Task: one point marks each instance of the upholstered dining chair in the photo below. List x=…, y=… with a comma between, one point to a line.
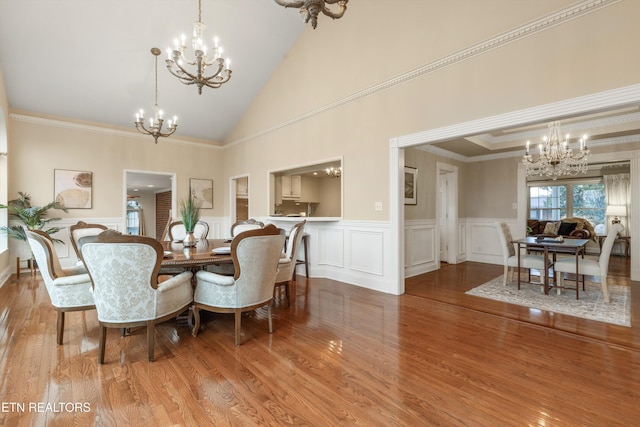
x=510, y=258
x=288, y=261
x=178, y=232
x=244, y=225
x=255, y=255
x=124, y=271
x=589, y=267
x=82, y=229
x=69, y=288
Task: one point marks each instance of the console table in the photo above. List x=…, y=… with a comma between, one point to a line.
x=626, y=240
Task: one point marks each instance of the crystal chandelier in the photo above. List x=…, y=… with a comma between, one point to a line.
x=556, y=157
x=177, y=60
x=333, y=172
x=156, y=122
x=310, y=9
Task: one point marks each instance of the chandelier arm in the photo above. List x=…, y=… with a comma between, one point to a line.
x=184, y=79
x=290, y=4
x=335, y=15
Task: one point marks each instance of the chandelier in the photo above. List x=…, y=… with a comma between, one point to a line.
x=177, y=60
x=556, y=158
x=333, y=172
x=156, y=122
x=310, y=9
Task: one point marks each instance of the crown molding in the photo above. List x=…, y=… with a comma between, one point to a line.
x=19, y=117
x=562, y=16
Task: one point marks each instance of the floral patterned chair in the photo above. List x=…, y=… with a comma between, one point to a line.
x=124, y=270
x=82, y=229
x=69, y=288
x=288, y=261
x=255, y=255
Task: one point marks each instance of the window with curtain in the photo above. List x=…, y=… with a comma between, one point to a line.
x=618, y=193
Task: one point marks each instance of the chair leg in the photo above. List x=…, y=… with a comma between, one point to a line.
x=270, y=319
x=605, y=288
x=238, y=315
x=286, y=293
x=151, y=332
x=196, y=321
x=504, y=275
x=60, y=327
x=101, y=345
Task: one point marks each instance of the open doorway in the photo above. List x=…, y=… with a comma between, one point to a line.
x=447, y=211
x=149, y=202
x=239, y=198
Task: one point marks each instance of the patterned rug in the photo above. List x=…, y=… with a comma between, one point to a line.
x=590, y=306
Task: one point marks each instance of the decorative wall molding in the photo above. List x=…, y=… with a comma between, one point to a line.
x=104, y=130
x=562, y=16
x=421, y=247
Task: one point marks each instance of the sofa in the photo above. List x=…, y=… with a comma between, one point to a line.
x=577, y=228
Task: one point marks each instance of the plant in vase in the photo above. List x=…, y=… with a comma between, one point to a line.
x=33, y=217
x=190, y=213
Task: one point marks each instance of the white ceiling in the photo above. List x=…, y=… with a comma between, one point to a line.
x=91, y=61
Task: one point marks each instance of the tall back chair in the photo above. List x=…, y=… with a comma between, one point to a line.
x=588, y=266
x=82, y=229
x=124, y=270
x=510, y=258
x=288, y=261
x=245, y=225
x=255, y=255
x=178, y=232
x=68, y=290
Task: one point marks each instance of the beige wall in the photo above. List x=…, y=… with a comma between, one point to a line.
x=39, y=148
x=341, y=58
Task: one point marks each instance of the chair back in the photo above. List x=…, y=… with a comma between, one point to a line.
x=178, y=232
x=295, y=237
x=44, y=253
x=607, y=246
x=504, y=235
x=82, y=229
x=255, y=255
x=124, y=271
x=245, y=225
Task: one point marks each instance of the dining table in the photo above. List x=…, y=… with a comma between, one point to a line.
x=205, y=252
x=551, y=245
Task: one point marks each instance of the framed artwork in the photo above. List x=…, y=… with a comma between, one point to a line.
x=72, y=188
x=410, y=190
x=202, y=191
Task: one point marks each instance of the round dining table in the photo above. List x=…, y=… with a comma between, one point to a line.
x=177, y=255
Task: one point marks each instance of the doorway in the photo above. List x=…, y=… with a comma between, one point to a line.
x=447, y=212
x=239, y=198
x=149, y=201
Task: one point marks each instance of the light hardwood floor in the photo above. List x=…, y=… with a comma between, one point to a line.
x=340, y=355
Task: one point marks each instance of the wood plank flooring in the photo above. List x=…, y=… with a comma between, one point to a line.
x=340, y=355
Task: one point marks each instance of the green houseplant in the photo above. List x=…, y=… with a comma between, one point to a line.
x=33, y=217
x=190, y=213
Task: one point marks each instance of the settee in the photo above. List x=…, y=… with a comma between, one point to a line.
x=575, y=227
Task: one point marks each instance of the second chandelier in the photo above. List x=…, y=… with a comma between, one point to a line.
x=177, y=62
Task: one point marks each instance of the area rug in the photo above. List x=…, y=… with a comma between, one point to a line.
x=590, y=306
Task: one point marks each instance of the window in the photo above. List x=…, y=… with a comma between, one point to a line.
x=554, y=202
x=133, y=217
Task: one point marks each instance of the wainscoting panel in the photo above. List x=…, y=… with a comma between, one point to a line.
x=331, y=247
x=366, y=251
x=483, y=244
x=420, y=254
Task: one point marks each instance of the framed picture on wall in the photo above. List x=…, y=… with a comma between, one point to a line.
x=73, y=188
x=410, y=190
x=202, y=191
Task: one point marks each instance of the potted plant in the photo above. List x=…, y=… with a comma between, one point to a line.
x=190, y=213
x=33, y=217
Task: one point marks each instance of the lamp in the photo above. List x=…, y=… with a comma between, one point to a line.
x=556, y=157
x=156, y=122
x=310, y=9
x=616, y=211
x=177, y=61
x=334, y=172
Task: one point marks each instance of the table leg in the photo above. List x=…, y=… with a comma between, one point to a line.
x=546, y=270
x=577, y=274
x=518, y=266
